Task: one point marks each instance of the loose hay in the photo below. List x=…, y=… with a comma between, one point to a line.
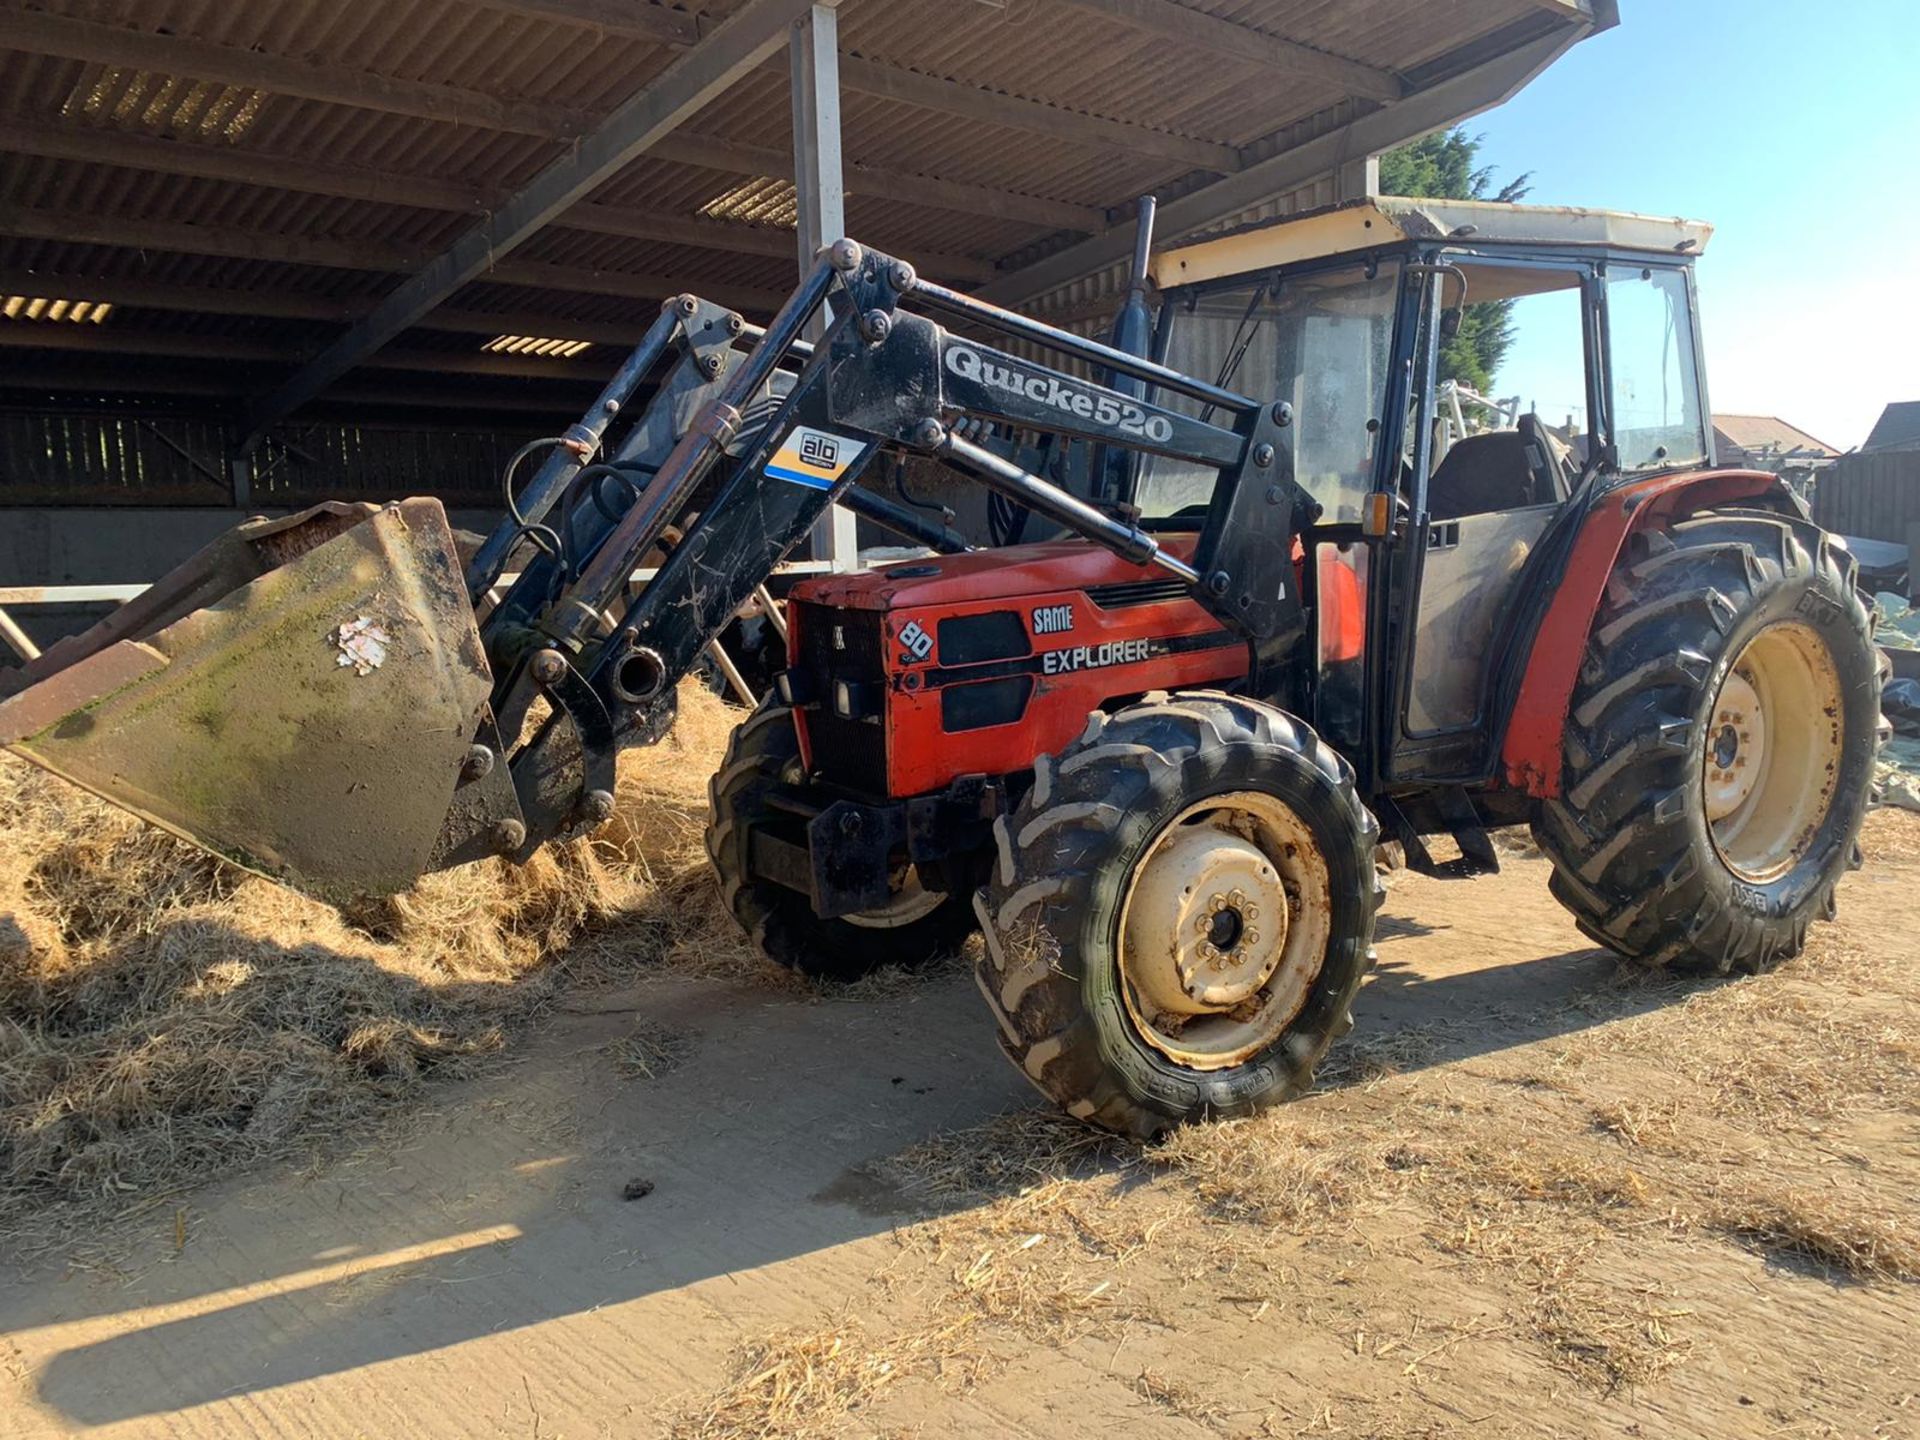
x=165, y=1017
x=796, y=1385
x=1848, y=1233
x=1005, y=1155
x=1565, y=1189
x=1891, y=835
x=648, y=1051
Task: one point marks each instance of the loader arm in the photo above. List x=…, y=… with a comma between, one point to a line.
x=883, y=377
x=747, y=437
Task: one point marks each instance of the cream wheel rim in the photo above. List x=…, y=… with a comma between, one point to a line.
x=1771, y=762
x=910, y=901
x=1224, y=930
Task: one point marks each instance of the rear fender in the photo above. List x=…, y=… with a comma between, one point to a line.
x=1531, y=752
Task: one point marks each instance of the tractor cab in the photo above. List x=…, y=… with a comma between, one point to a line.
x=1460, y=381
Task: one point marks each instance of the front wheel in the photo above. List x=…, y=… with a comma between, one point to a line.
x=1720, y=746
x=915, y=925
x=1180, y=914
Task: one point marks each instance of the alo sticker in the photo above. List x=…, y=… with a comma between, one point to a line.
x=814, y=458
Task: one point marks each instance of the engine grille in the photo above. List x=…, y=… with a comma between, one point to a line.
x=1126, y=593
x=852, y=753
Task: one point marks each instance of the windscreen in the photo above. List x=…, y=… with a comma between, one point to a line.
x=1322, y=342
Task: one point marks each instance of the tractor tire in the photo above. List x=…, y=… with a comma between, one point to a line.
x=1124, y=960
x=1719, y=748
x=922, y=924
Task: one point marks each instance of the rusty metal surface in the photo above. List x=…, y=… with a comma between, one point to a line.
x=485, y=817
x=1210, y=996
x=310, y=725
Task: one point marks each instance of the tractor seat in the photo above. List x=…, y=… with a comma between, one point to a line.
x=1500, y=470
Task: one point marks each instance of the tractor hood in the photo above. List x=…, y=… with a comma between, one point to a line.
x=1038, y=569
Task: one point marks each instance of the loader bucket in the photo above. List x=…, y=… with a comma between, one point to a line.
x=298, y=698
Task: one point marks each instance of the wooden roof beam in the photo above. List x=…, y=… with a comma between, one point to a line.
x=157, y=295
x=93, y=377
x=286, y=305
x=1034, y=117
x=732, y=158
x=234, y=164
x=237, y=166
x=951, y=97
x=87, y=40
x=171, y=54
x=108, y=341
x=631, y=19
x=1196, y=30
x=752, y=33
x=227, y=243
x=1494, y=75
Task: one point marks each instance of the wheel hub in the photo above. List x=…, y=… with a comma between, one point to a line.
x=1224, y=931
x=1771, y=761
x=1207, y=922
x=1737, y=754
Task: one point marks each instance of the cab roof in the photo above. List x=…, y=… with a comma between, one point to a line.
x=1386, y=221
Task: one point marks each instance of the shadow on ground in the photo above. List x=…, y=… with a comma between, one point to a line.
x=502, y=1208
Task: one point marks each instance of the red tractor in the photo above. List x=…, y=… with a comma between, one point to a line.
x=1314, y=583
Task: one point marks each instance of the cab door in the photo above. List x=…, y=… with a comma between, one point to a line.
x=1501, y=440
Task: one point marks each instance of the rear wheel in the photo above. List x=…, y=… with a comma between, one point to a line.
x=1720, y=746
x=914, y=925
x=1180, y=913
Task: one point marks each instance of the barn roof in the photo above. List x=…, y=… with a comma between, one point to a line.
x=195, y=196
x=1898, y=427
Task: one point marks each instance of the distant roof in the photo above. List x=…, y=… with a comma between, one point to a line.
x=1898, y=427
x=1767, y=432
x=1387, y=220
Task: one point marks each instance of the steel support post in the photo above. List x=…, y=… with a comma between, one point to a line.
x=819, y=183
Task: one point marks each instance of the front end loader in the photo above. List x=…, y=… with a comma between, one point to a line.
x=1298, y=584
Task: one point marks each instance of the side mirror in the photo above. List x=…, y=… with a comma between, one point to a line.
x=1450, y=322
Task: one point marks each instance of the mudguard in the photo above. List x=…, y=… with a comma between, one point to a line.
x=1531, y=751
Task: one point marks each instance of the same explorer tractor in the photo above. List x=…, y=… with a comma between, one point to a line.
x=1299, y=587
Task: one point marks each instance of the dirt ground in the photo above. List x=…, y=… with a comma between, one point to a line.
x=1534, y=1197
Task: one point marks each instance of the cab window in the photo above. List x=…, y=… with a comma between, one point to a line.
x=1655, y=390
x=1510, y=424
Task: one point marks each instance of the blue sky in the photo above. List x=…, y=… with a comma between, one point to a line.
x=1795, y=128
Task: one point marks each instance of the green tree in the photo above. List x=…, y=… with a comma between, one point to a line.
x=1446, y=167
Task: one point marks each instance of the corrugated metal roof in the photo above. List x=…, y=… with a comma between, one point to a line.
x=1898, y=427
x=348, y=169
